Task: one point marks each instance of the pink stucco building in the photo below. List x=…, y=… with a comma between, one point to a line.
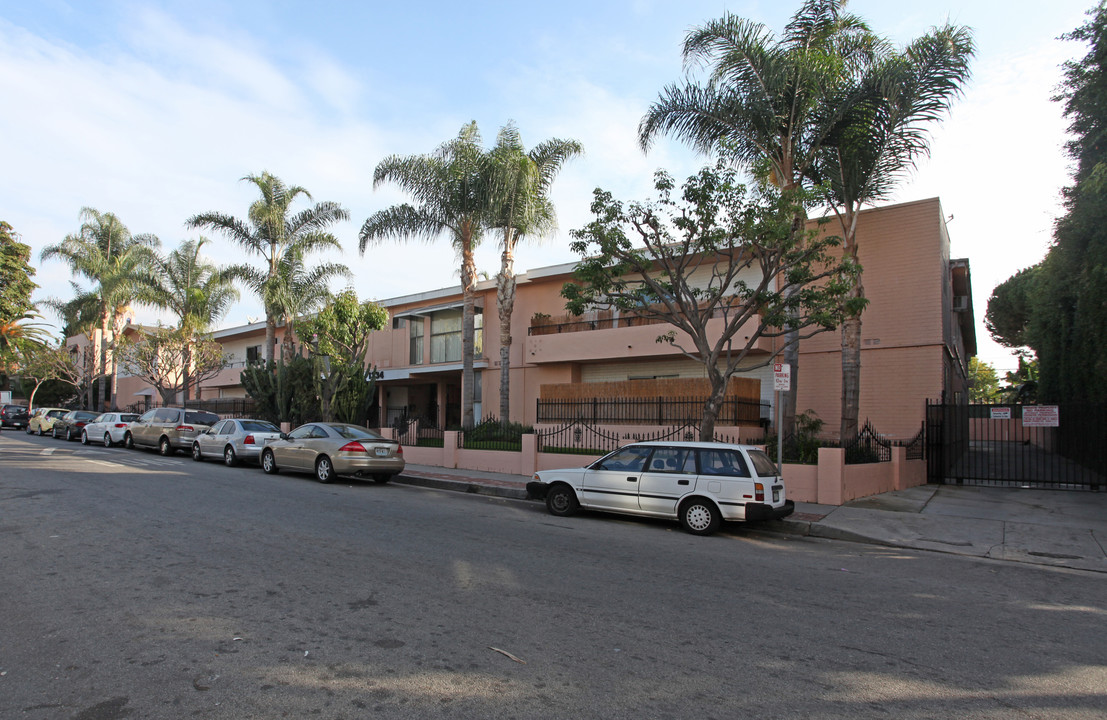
x=918, y=335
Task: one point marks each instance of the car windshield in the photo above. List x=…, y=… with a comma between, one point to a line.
x=762, y=464
x=353, y=432
x=193, y=417
x=85, y=415
x=257, y=426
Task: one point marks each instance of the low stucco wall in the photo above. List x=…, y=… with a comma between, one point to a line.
x=801, y=482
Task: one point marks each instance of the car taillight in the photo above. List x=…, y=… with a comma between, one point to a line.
x=352, y=446
x=81, y=424
x=248, y=440
x=185, y=428
x=759, y=492
x=121, y=425
x=399, y=449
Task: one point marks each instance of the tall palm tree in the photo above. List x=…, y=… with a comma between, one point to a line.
x=451, y=195
x=117, y=263
x=272, y=231
x=521, y=183
x=874, y=145
x=193, y=289
x=301, y=290
x=768, y=103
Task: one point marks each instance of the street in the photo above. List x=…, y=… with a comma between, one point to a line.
x=146, y=587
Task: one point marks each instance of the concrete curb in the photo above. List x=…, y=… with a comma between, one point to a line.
x=473, y=488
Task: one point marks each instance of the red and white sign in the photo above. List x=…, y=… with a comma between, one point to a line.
x=1041, y=416
x=782, y=376
x=1001, y=413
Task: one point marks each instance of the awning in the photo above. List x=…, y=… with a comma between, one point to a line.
x=431, y=309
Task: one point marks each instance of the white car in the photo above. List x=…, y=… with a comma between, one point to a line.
x=700, y=484
x=108, y=428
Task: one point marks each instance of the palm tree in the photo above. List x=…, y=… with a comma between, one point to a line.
x=272, y=232
x=105, y=253
x=451, y=193
x=521, y=183
x=193, y=289
x=873, y=145
x=301, y=290
x=769, y=103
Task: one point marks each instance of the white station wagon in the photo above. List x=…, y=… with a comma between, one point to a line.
x=699, y=483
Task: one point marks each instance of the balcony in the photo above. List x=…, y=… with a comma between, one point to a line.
x=551, y=340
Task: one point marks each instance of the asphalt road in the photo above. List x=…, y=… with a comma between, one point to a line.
x=135, y=586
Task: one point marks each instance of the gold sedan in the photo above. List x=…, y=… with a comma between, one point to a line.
x=333, y=449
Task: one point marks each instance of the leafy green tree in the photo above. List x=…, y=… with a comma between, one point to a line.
x=768, y=104
x=521, y=183
x=340, y=333
x=1011, y=307
x=759, y=272
x=1022, y=384
x=273, y=232
x=193, y=289
x=283, y=390
x=301, y=290
x=1068, y=323
x=983, y=382
x=117, y=263
x=450, y=189
x=876, y=142
x=47, y=363
x=16, y=285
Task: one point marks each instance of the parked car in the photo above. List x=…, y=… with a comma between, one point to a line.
x=168, y=429
x=333, y=449
x=71, y=425
x=237, y=439
x=700, y=484
x=13, y=416
x=42, y=419
x=108, y=428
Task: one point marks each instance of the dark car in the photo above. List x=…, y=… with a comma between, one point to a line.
x=72, y=423
x=13, y=416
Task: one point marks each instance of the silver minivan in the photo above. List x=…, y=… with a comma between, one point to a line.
x=168, y=429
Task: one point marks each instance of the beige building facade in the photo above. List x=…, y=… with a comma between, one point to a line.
x=918, y=335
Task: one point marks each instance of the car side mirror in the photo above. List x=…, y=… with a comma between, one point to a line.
x=284, y=436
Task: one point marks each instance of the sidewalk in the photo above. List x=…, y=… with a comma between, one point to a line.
x=1043, y=527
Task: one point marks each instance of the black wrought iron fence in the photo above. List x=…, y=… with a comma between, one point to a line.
x=492, y=434
x=223, y=407
x=868, y=447
x=648, y=411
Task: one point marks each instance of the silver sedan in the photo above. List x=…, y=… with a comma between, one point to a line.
x=234, y=440
x=333, y=449
x=110, y=427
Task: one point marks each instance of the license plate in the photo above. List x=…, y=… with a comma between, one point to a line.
x=776, y=496
x=382, y=452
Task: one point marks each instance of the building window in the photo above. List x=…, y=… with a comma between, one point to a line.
x=446, y=336
x=398, y=322
x=416, y=335
x=253, y=354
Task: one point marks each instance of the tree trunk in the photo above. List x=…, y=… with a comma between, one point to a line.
x=851, y=372
x=468, y=333
x=105, y=376
x=505, y=299
x=712, y=405
x=270, y=336
x=186, y=361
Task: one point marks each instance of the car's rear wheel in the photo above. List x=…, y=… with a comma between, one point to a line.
x=129, y=441
x=30, y=431
x=229, y=458
x=164, y=448
x=324, y=470
x=561, y=501
x=84, y=437
x=54, y=432
x=107, y=440
x=381, y=478
x=699, y=516
x=196, y=454
x=269, y=463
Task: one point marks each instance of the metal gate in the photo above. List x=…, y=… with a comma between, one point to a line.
x=1021, y=445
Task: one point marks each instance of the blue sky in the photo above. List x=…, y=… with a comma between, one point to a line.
x=155, y=110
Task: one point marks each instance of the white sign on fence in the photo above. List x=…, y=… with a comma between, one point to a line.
x=1001, y=413
x=782, y=376
x=1041, y=416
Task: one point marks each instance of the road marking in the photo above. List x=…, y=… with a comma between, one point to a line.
x=48, y=451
